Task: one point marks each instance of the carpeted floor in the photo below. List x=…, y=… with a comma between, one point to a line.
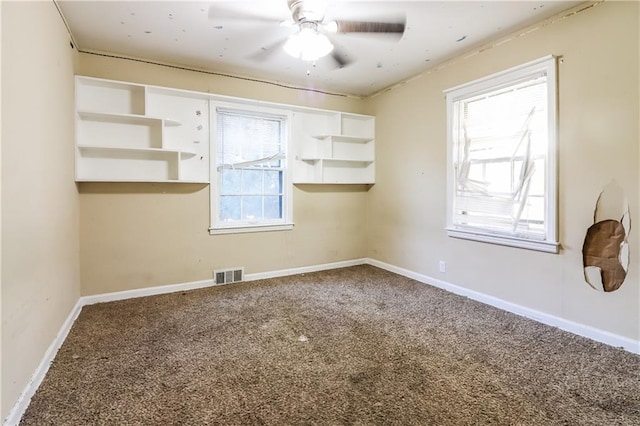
x=356, y=346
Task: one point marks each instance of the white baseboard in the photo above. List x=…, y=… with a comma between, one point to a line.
x=14, y=416
x=580, y=329
x=583, y=330
x=304, y=269
x=142, y=292
x=193, y=285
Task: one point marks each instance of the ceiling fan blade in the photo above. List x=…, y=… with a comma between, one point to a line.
x=395, y=28
x=340, y=58
x=267, y=51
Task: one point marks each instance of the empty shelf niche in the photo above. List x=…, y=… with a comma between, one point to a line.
x=109, y=96
x=348, y=171
x=119, y=130
x=127, y=164
x=343, y=147
x=355, y=124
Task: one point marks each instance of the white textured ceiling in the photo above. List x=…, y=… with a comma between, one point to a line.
x=183, y=33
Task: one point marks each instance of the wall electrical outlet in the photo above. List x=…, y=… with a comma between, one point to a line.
x=443, y=266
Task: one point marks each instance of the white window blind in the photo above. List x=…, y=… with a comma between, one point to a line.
x=502, y=158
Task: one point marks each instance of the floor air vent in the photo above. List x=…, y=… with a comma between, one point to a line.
x=228, y=276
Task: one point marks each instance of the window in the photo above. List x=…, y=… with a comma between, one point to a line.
x=502, y=158
x=250, y=190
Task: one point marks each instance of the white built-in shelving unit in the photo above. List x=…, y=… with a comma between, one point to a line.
x=129, y=132
x=334, y=147
x=136, y=133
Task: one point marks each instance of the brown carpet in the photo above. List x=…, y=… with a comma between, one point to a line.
x=356, y=346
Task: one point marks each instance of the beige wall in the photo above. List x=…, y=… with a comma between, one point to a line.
x=598, y=141
x=141, y=235
x=40, y=214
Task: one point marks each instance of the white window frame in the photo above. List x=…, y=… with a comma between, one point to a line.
x=283, y=224
x=493, y=82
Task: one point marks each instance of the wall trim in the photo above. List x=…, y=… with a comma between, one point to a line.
x=194, y=285
x=583, y=330
x=589, y=332
x=304, y=269
x=143, y=292
x=18, y=409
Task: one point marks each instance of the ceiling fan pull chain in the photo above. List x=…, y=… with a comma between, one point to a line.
x=313, y=65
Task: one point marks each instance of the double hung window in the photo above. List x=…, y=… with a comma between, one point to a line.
x=502, y=158
x=250, y=189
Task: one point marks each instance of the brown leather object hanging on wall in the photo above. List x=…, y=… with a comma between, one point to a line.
x=602, y=249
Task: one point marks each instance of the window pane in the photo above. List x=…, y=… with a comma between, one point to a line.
x=273, y=182
x=230, y=181
x=252, y=208
x=269, y=150
x=476, y=173
x=534, y=210
x=272, y=207
x=499, y=177
x=252, y=182
x=229, y=208
x=538, y=181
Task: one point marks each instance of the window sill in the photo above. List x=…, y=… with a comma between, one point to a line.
x=241, y=229
x=543, y=246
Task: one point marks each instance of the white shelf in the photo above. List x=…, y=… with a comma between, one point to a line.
x=339, y=160
x=151, y=151
x=128, y=132
x=110, y=179
x=346, y=138
x=125, y=118
x=333, y=183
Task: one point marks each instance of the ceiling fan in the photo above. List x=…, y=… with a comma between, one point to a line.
x=312, y=35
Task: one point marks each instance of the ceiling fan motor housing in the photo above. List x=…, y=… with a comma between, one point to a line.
x=306, y=10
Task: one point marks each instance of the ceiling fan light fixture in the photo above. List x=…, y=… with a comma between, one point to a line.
x=308, y=44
